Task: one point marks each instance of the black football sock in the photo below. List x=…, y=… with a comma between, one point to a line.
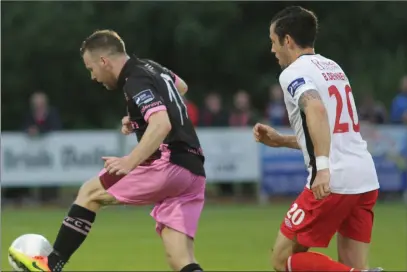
x=192, y=267
x=71, y=235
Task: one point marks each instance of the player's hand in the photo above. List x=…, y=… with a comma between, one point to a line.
x=267, y=135
x=120, y=166
x=127, y=128
x=320, y=186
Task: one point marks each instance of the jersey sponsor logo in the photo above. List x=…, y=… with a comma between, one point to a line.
x=145, y=108
x=325, y=64
x=143, y=97
x=292, y=88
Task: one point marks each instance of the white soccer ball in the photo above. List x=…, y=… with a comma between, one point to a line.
x=32, y=245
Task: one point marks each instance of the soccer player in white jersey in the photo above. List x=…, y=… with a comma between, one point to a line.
x=342, y=185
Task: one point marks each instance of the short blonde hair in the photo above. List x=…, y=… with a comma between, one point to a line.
x=106, y=40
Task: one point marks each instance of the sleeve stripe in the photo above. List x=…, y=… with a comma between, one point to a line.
x=153, y=110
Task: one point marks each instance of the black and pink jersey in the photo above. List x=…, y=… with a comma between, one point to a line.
x=150, y=87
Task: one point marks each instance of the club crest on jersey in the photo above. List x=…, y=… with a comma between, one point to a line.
x=294, y=85
x=143, y=97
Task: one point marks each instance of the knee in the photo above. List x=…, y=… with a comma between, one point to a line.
x=90, y=195
x=278, y=260
x=84, y=194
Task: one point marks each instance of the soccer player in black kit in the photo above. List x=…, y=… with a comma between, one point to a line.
x=165, y=168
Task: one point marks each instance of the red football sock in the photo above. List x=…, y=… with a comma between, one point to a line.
x=313, y=261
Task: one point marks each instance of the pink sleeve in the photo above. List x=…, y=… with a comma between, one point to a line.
x=152, y=110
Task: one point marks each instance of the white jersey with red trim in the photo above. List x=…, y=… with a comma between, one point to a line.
x=351, y=165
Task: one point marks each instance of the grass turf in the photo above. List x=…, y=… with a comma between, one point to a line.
x=230, y=237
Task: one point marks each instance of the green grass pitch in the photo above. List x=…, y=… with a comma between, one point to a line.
x=230, y=238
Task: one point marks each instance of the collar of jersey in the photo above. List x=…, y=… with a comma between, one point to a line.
x=126, y=71
x=308, y=54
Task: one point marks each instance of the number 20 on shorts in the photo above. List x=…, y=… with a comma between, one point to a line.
x=296, y=215
x=350, y=102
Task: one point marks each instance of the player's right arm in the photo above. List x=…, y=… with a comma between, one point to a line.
x=270, y=137
x=290, y=141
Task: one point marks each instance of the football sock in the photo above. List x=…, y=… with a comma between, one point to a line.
x=73, y=232
x=313, y=261
x=192, y=267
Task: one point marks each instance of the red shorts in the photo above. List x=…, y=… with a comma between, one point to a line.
x=313, y=223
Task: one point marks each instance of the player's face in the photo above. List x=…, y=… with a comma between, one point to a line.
x=278, y=49
x=100, y=69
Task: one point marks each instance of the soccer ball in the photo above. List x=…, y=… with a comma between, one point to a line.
x=32, y=245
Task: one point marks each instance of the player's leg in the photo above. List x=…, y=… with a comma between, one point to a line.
x=177, y=219
x=355, y=232
x=77, y=224
x=179, y=198
x=74, y=229
x=310, y=223
x=352, y=253
x=179, y=249
x=282, y=251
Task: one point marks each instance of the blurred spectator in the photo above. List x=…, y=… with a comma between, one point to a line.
x=372, y=110
x=40, y=119
x=193, y=111
x=242, y=114
x=399, y=105
x=276, y=112
x=213, y=115
x=43, y=118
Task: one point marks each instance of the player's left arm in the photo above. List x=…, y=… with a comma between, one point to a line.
x=154, y=112
x=179, y=83
x=310, y=103
x=159, y=126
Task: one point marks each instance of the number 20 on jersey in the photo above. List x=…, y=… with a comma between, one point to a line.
x=344, y=127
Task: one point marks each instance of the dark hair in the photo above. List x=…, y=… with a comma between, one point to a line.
x=299, y=23
x=107, y=40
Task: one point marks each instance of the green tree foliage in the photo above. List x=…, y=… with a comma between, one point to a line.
x=219, y=46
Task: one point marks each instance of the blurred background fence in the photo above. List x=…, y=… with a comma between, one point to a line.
x=236, y=165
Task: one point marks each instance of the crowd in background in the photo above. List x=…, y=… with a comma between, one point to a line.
x=44, y=118
x=213, y=114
